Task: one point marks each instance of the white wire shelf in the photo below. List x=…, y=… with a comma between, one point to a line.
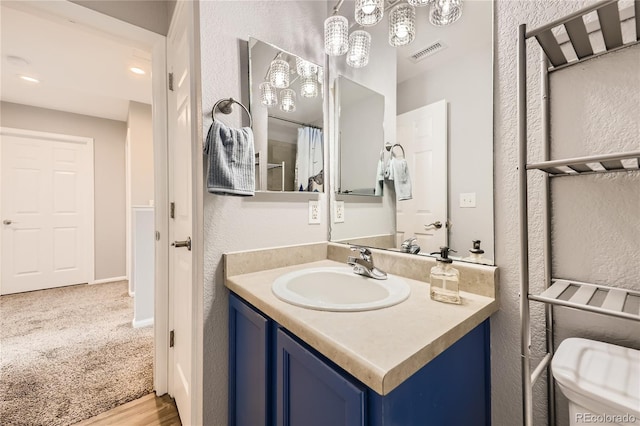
x=618, y=162
x=612, y=301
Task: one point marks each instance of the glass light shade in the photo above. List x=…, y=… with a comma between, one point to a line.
x=288, y=100
x=309, y=86
x=445, y=12
x=369, y=12
x=336, y=35
x=305, y=68
x=420, y=3
x=320, y=75
x=268, y=94
x=279, y=73
x=402, y=25
x=359, y=46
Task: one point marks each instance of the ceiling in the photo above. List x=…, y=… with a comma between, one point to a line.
x=86, y=71
x=80, y=69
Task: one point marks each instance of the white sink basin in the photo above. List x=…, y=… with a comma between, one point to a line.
x=339, y=289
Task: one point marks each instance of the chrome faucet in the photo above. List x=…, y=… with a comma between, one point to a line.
x=363, y=264
x=410, y=245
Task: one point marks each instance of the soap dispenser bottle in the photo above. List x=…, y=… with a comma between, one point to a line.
x=476, y=255
x=445, y=279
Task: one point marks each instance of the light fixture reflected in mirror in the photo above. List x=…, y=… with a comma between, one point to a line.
x=359, y=45
x=309, y=86
x=445, y=12
x=268, y=94
x=305, y=68
x=288, y=100
x=336, y=35
x=279, y=73
x=369, y=12
x=402, y=25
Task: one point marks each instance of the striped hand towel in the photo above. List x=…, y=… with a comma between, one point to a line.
x=230, y=154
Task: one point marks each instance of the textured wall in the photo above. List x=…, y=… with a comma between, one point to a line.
x=109, y=174
x=593, y=211
x=234, y=223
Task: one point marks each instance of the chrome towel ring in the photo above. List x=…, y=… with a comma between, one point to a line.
x=224, y=106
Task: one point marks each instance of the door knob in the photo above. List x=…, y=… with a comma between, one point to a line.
x=7, y=222
x=436, y=225
x=186, y=243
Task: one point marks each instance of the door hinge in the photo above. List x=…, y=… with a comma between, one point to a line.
x=172, y=210
x=172, y=335
x=171, y=81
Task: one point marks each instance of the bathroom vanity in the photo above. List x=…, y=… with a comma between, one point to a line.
x=418, y=362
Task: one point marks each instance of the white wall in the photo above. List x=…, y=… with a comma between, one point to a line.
x=140, y=127
x=109, y=185
x=236, y=223
x=466, y=85
x=599, y=214
x=367, y=216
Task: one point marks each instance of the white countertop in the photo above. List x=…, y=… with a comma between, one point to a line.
x=381, y=348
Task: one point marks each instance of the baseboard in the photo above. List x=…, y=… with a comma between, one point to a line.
x=108, y=280
x=143, y=323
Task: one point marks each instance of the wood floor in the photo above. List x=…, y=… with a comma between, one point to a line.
x=149, y=410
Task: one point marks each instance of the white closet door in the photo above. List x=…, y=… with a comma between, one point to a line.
x=47, y=186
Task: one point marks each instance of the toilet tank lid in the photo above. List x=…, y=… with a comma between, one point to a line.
x=600, y=371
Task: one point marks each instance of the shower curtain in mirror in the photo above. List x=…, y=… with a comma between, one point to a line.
x=309, y=160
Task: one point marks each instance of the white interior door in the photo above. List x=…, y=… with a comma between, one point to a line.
x=180, y=222
x=47, y=210
x=423, y=135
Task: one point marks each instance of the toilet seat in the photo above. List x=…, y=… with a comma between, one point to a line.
x=601, y=377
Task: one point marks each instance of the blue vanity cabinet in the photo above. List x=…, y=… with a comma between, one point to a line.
x=310, y=392
x=275, y=379
x=249, y=365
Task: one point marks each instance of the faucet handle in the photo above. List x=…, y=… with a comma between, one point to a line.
x=365, y=253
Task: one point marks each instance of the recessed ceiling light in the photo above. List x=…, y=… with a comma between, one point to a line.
x=137, y=70
x=29, y=79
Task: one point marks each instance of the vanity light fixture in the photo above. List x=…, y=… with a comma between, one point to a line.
x=445, y=12
x=305, y=68
x=402, y=25
x=279, y=73
x=359, y=46
x=336, y=35
x=137, y=70
x=369, y=12
x=268, y=94
x=309, y=86
x=288, y=100
x=420, y=3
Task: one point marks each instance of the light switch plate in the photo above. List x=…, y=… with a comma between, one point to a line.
x=338, y=212
x=468, y=200
x=314, y=212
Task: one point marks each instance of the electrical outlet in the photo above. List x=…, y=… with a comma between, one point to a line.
x=338, y=212
x=314, y=212
x=468, y=200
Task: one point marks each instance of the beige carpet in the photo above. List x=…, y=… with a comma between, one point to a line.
x=70, y=353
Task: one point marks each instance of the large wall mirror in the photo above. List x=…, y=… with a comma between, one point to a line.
x=286, y=99
x=438, y=131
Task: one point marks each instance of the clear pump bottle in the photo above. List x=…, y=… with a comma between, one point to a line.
x=476, y=255
x=445, y=279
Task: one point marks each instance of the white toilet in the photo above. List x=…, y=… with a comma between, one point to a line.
x=601, y=381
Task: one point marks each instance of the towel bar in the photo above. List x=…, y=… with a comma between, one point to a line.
x=224, y=106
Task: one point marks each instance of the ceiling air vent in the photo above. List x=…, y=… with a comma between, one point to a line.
x=432, y=49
